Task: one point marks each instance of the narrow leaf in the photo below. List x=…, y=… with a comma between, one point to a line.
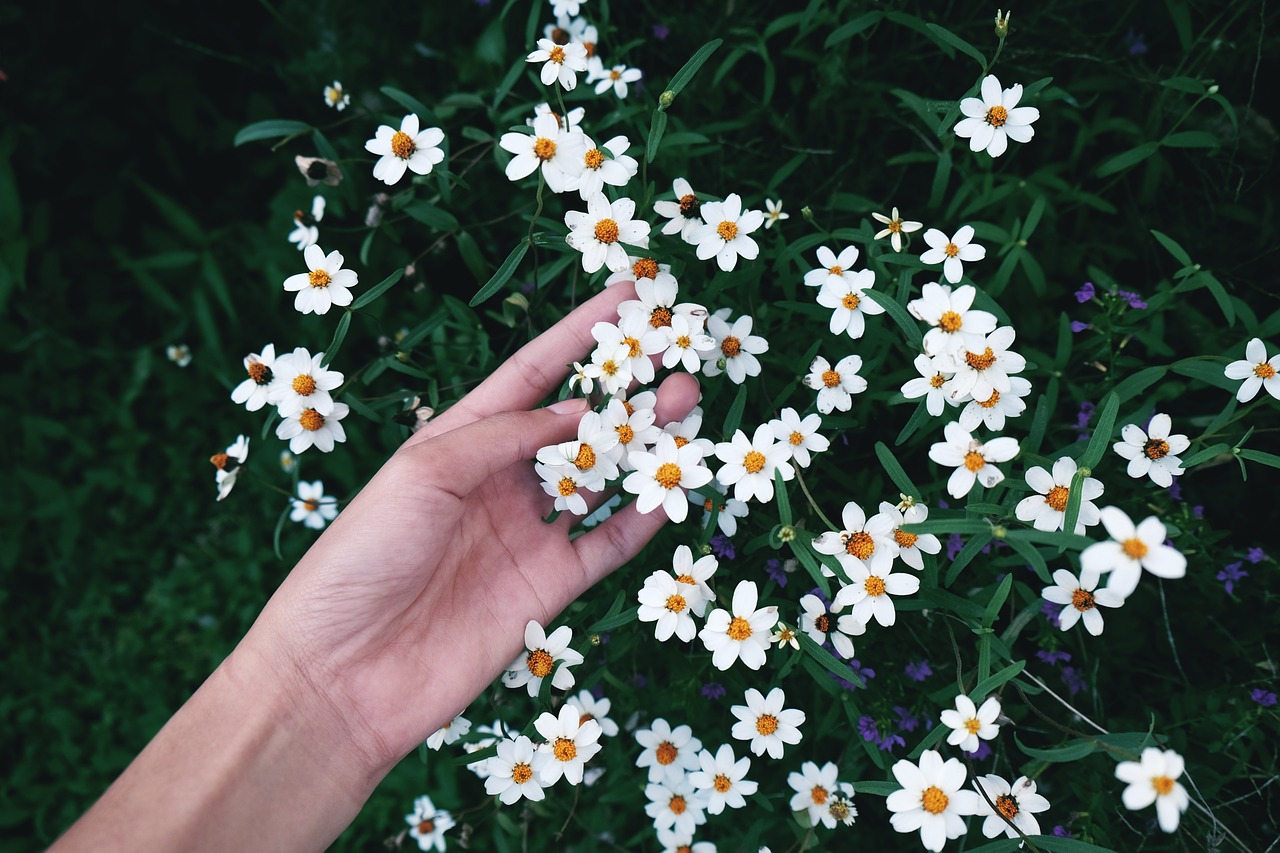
x=685, y=74
x=503, y=274
x=987, y=685
x=269, y=129
x=656, y=129
x=1102, y=433
x=377, y=290
x=958, y=43
x=339, y=335
x=894, y=470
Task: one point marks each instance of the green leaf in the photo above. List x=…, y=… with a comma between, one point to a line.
x=894, y=470
x=1139, y=382
x=1205, y=454
x=1207, y=369
x=875, y=788
x=806, y=558
x=339, y=335
x=970, y=550
x=734, y=417
x=1259, y=456
x=899, y=315
x=827, y=660
x=1032, y=555
x=848, y=30
x=656, y=129
x=269, y=129
x=610, y=623
x=784, y=502
x=1074, y=496
x=948, y=525
x=503, y=274
x=919, y=416
x=1191, y=139
x=938, y=733
x=1172, y=247
x=1127, y=159
x=275, y=537
x=432, y=216
x=410, y=103
x=997, y=601
x=377, y=290
x=685, y=74
x=1220, y=296
x=1056, y=538
x=958, y=43
x=1072, y=752
x=1101, y=438
x=987, y=685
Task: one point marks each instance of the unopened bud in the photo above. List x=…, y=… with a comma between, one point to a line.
x=999, y=531
x=807, y=213
x=666, y=99
x=1002, y=24
x=786, y=533
x=705, y=550
x=595, y=639
x=1213, y=90
x=1085, y=471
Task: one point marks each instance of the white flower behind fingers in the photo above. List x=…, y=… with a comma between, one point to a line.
x=995, y=118
x=750, y=464
x=450, y=733
x=312, y=506
x=952, y=252
x=309, y=428
x=1130, y=550
x=1154, y=452
x=660, y=477
x=736, y=347
x=1257, y=371
x=600, y=232
x=325, y=285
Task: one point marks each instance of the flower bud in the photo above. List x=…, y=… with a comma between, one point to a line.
x=787, y=533
x=999, y=531
x=1002, y=24
x=705, y=549
x=666, y=99
x=1213, y=90
x=807, y=213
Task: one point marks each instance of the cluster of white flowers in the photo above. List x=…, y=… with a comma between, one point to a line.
x=298, y=385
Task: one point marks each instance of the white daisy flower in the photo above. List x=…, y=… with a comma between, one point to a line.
x=985, y=368
x=617, y=78
x=814, y=788
x=557, y=151
x=1014, y=804
x=569, y=746
x=600, y=232
x=581, y=379
x=590, y=453
x=640, y=339
x=1130, y=550
x=1154, y=780
x=669, y=754
x=840, y=808
x=611, y=367
x=785, y=636
x=326, y=284
x=663, y=601
x=869, y=540
x=287, y=462
x=911, y=545
x=956, y=325
x=995, y=409
x=179, y=354
x=870, y=592
x=312, y=506
x=684, y=213
x=305, y=232
x=490, y=736
x=1083, y=597
x=686, y=432
x=693, y=576
x=656, y=294
x=1256, y=370
x=595, y=69
x=675, y=806
x=427, y=824
x=750, y=463
x=450, y=733
x=800, y=435
x=1048, y=509
x=973, y=460
x=591, y=708
x=765, y=723
x=722, y=780
x=730, y=510
x=406, y=149
x=835, y=268
x=303, y=384
x=995, y=118
x=846, y=296
x=510, y=772
x=569, y=121
x=565, y=8
x=633, y=425
x=674, y=843
x=659, y=477
x=836, y=385
x=228, y=465
x=539, y=659
x=737, y=347
x=934, y=373
x=932, y=800
x=559, y=62
x=1153, y=454
x=969, y=723
x=566, y=483
x=894, y=227
x=773, y=213
x=742, y=632
x=310, y=428
x=255, y=392
x=596, y=169
x=824, y=623
x=687, y=345
x=335, y=97
x=952, y=252
x=725, y=235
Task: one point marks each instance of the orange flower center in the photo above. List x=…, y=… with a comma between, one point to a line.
x=996, y=116
x=585, y=459
x=260, y=373
x=539, y=662
x=564, y=749
x=836, y=270
x=860, y=545
x=594, y=158
x=219, y=460
x=850, y=301
x=1082, y=600
x=1156, y=448
x=766, y=724
x=304, y=385
x=543, y=148
x=556, y=54
x=727, y=230
x=319, y=278
x=1007, y=806
x=402, y=145
x=972, y=725
x=1135, y=548
x=1058, y=497
x=723, y=783
x=739, y=629
x=677, y=804
x=521, y=773
x=668, y=475
x=607, y=231
x=625, y=434
x=818, y=795
x=933, y=800
x=830, y=378
x=796, y=439
x=753, y=462
x=645, y=268
x=566, y=486
x=1162, y=784
x=980, y=361
x=689, y=206
x=950, y=321
x=973, y=461
x=951, y=250
x=676, y=603
x=823, y=622
x=680, y=440
x=874, y=585
x=666, y=752
x=1264, y=370
x=426, y=827
x=311, y=420
x=937, y=380
x=991, y=401
x=731, y=346
x=661, y=318
x=905, y=539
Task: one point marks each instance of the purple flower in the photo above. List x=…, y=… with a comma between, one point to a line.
x=983, y=751
x=919, y=671
x=1085, y=293
x=954, y=545
x=1256, y=555
x=713, y=690
x=1051, y=612
x=774, y=570
x=1074, y=679
x=1136, y=43
x=1175, y=490
x=1265, y=698
x=907, y=721
x=1197, y=511
x=722, y=547
x=1134, y=300
x=863, y=673
x=888, y=742
x=1087, y=408
x=942, y=504
x=640, y=681
x=1231, y=573
x=661, y=31
x=868, y=729
x=1061, y=831
x=1053, y=657
x=597, y=692
x=1078, y=326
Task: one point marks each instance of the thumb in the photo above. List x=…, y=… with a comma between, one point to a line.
x=460, y=460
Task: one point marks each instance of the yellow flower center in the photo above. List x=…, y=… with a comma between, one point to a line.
x=543, y=148
x=630, y=409
x=933, y=800
x=556, y=54
x=661, y=318
x=1007, y=806
x=566, y=486
x=991, y=401
x=753, y=462
x=625, y=434
x=839, y=810
x=539, y=663
x=951, y=250
x=668, y=475
x=894, y=226
x=1162, y=784
x=731, y=346
x=565, y=749
x=1135, y=548
x=677, y=804
x=219, y=460
x=609, y=368
x=937, y=380
x=645, y=268
x=836, y=270
x=666, y=752
x=850, y=301
x=1156, y=448
x=1264, y=370
x=1058, y=497
x=950, y=321
x=727, y=230
x=304, y=385
x=680, y=441
x=723, y=783
x=689, y=206
x=676, y=603
x=402, y=145
x=818, y=795
x=607, y=231
x=594, y=159
x=259, y=373
x=633, y=346
x=996, y=116
x=905, y=539
x=739, y=629
x=874, y=585
x=980, y=361
x=426, y=827
x=521, y=773
x=311, y=420
x=823, y=622
x=585, y=459
x=688, y=579
x=310, y=506
x=1082, y=600
x=796, y=439
x=860, y=545
x=830, y=378
x=766, y=724
x=319, y=278
x=972, y=725
x=615, y=74
x=973, y=461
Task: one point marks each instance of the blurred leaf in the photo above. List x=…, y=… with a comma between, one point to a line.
x=1072, y=752
x=898, y=313
x=1191, y=139
x=656, y=129
x=1259, y=456
x=734, y=417
x=1127, y=159
x=269, y=129
x=849, y=29
x=1205, y=455
x=377, y=290
x=502, y=275
x=425, y=116
x=959, y=44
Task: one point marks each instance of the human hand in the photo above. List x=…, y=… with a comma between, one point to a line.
x=417, y=595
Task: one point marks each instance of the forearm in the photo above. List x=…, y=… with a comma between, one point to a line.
x=248, y=763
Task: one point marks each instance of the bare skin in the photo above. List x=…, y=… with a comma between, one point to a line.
x=405, y=609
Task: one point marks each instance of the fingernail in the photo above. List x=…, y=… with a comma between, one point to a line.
x=569, y=407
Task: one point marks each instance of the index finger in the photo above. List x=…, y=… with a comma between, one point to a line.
x=537, y=368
